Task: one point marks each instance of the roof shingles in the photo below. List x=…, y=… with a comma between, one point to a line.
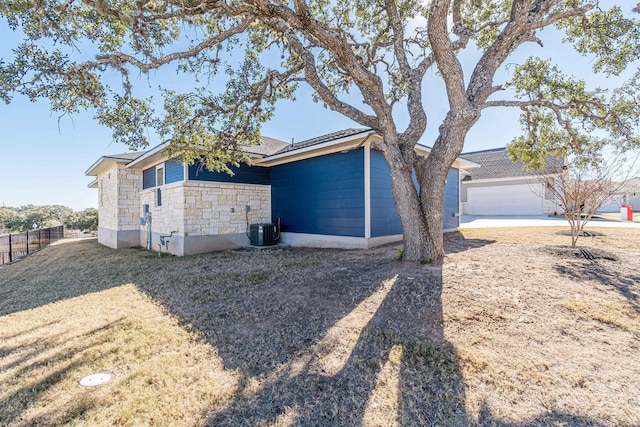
x=496, y=164
x=324, y=138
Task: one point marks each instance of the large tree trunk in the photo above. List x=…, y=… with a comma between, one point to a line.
x=412, y=217
x=420, y=210
x=400, y=156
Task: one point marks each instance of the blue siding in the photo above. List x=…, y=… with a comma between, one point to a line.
x=321, y=195
x=385, y=220
x=173, y=172
x=384, y=216
x=149, y=178
x=451, y=198
x=244, y=174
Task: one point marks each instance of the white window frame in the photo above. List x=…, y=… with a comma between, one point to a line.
x=160, y=170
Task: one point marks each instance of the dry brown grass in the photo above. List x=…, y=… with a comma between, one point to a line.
x=514, y=330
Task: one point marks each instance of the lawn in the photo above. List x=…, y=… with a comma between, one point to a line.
x=515, y=329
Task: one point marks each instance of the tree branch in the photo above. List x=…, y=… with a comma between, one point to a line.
x=283, y=19
x=117, y=60
x=327, y=96
x=444, y=55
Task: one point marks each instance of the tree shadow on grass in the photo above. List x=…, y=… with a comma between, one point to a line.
x=383, y=360
x=317, y=337
x=455, y=242
x=551, y=418
x=29, y=365
x=327, y=337
x=609, y=274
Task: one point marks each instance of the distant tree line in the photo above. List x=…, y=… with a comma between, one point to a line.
x=28, y=217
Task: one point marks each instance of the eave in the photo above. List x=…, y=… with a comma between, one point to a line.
x=337, y=145
x=150, y=158
x=104, y=163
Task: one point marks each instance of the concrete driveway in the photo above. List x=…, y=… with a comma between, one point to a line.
x=470, y=221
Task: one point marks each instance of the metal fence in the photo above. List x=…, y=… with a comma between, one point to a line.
x=15, y=246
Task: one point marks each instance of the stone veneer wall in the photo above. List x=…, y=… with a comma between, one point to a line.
x=196, y=209
x=168, y=217
x=219, y=208
x=107, y=198
x=130, y=183
x=119, y=206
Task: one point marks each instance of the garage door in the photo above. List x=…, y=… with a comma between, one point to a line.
x=505, y=200
x=612, y=204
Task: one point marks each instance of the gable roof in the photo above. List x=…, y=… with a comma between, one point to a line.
x=496, y=164
x=340, y=141
x=270, y=152
x=105, y=162
x=267, y=147
x=631, y=185
x=324, y=138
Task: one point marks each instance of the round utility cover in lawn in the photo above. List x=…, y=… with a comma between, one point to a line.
x=95, y=380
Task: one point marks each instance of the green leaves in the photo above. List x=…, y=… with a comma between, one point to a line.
x=129, y=118
x=485, y=19
x=612, y=38
x=562, y=118
x=246, y=55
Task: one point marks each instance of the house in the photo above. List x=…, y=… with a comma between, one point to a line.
x=502, y=187
x=330, y=191
x=631, y=191
x=627, y=193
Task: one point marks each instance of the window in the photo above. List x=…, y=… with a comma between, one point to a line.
x=159, y=175
x=158, y=197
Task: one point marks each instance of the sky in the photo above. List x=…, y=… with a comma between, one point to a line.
x=44, y=157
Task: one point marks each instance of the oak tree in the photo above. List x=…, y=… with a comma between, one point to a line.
x=364, y=59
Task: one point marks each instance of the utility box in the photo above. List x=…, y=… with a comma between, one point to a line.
x=263, y=234
x=626, y=213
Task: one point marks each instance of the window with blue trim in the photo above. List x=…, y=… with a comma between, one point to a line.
x=161, y=174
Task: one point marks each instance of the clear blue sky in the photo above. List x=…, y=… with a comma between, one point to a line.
x=43, y=157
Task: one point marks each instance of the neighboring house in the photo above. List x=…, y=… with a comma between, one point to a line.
x=631, y=191
x=502, y=187
x=330, y=191
x=627, y=194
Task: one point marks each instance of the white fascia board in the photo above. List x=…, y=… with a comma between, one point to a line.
x=461, y=163
x=93, y=184
x=423, y=150
x=315, y=150
x=149, y=158
x=102, y=164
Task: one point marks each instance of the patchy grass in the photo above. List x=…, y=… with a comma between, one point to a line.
x=620, y=238
x=623, y=316
x=506, y=333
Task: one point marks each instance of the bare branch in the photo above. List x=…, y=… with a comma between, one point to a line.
x=398, y=37
x=283, y=19
x=518, y=30
x=314, y=80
